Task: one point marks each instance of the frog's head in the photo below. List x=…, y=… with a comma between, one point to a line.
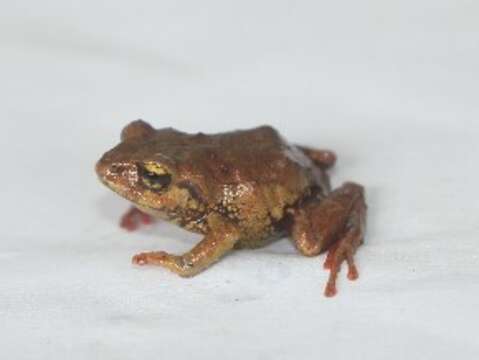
x=144, y=169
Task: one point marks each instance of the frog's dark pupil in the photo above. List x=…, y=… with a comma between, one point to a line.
x=157, y=181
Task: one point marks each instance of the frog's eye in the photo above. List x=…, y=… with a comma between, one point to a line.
x=154, y=176
x=156, y=182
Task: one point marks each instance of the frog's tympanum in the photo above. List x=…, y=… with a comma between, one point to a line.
x=240, y=189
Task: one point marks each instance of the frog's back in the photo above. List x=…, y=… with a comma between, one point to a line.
x=257, y=155
x=254, y=177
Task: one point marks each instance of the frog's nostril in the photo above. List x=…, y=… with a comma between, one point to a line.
x=121, y=170
x=115, y=169
x=118, y=169
x=105, y=169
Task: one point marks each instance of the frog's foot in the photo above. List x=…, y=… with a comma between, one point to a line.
x=221, y=239
x=336, y=223
x=322, y=158
x=134, y=218
x=161, y=258
x=342, y=250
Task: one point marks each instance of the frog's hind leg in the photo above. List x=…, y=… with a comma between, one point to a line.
x=219, y=240
x=322, y=158
x=134, y=218
x=335, y=223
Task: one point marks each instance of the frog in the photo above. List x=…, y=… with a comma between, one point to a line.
x=240, y=189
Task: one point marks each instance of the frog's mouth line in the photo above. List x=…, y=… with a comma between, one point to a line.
x=124, y=191
x=133, y=196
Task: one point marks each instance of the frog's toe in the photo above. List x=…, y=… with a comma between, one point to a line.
x=134, y=218
x=139, y=259
x=153, y=257
x=342, y=251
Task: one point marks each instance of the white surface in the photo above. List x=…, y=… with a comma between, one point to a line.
x=391, y=86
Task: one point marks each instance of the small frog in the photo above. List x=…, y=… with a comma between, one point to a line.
x=240, y=189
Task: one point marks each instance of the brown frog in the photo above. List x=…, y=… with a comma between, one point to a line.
x=240, y=189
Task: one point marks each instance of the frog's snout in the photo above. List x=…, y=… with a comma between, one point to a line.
x=100, y=169
x=106, y=169
x=117, y=174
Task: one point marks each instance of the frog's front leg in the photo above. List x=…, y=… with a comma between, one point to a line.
x=335, y=223
x=133, y=218
x=220, y=239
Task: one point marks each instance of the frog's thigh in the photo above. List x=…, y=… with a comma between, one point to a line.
x=221, y=239
x=336, y=223
x=322, y=158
